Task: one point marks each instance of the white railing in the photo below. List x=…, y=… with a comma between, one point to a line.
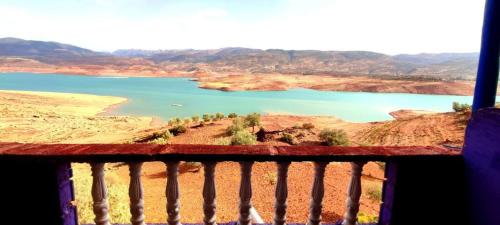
x=99, y=194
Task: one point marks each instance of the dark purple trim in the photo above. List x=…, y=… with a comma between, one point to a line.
x=388, y=190
x=64, y=174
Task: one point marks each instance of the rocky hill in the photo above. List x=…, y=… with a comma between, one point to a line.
x=444, y=66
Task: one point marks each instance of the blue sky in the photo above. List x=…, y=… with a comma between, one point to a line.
x=388, y=26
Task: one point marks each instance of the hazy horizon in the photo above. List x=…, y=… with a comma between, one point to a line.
x=385, y=26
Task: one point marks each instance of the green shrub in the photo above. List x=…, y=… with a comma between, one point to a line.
x=459, y=107
x=178, y=129
x=195, y=118
x=334, y=137
x=206, y=117
x=252, y=120
x=219, y=116
x=307, y=126
x=187, y=120
x=243, y=137
x=177, y=121
x=237, y=125
x=232, y=115
x=160, y=137
x=287, y=138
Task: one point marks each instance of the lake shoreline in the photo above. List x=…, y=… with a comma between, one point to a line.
x=277, y=82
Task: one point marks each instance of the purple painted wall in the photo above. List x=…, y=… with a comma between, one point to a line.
x=482, y=163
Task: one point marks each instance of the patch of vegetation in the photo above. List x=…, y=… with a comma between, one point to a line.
x=374, y=192
x=238, y=125
x=334, y=137
x=288, y=138
x=307, y=126
x=219, y=116
x=243, y=137
x=160, y=137
x=364, y=218
x=296, y=126
x=232, y=115
x=222, y=141
x=271, y=177
x=195, y=118
x=207, y=117
x=461, y=107
x=178, y=129
x=187, y=120
x=252, y=120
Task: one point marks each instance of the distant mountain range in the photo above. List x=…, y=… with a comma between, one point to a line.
x=443, y=66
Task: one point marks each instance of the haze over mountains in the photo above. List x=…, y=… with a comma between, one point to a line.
x=445, y=66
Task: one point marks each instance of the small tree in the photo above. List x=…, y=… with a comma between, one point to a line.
x=243, y=137
x=219, y=116
x=232, y=115
x=160, y=137
x=178, y=129
x=252, y=120
x=287, y=138
x=237, y=125
x=459, y=107
x=195, y=118
x=177, y=121
x=334, y=137
x=206, y=117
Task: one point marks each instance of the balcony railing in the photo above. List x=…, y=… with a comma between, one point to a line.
x=135, y=154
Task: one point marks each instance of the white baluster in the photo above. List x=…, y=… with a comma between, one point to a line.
x=318, y=190
x=135, y=193
x=173, y=193
x=209, y=203
x=99, y=194
x=245, y=192
x=281, y=194
x=353, y=195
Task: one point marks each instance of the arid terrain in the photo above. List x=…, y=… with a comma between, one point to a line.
x=73, y=118
x=231, y=69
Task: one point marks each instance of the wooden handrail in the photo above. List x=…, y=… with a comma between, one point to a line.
x=193, y=152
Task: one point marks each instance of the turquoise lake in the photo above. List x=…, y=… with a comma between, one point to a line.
x=155, y=96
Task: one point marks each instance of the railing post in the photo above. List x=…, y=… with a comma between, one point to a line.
x=99, y=194
x=173, y=193
x=318, y=190
x=209, y=193
x=135, y=193
x=281, y=194
x=245, y=192
x=353, y=194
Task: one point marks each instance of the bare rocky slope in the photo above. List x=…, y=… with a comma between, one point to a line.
x=446, y=66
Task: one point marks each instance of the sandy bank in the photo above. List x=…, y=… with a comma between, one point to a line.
x=64, y=118
x=263, y=82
